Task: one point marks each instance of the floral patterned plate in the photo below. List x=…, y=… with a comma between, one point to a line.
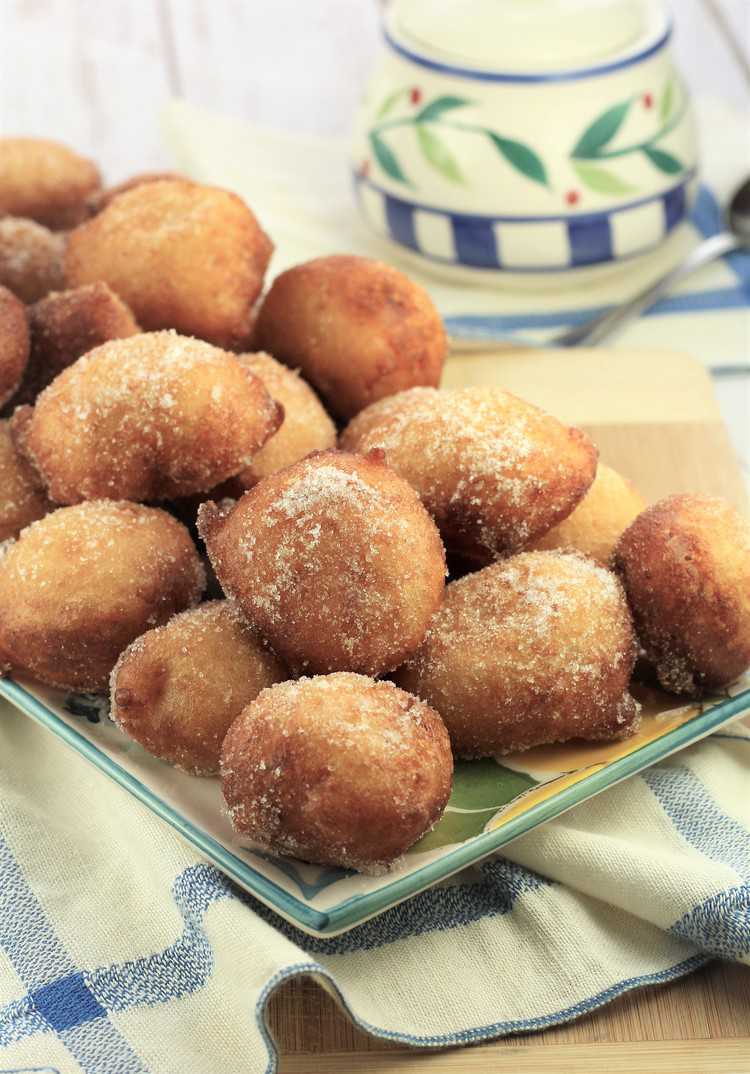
x=491, y=803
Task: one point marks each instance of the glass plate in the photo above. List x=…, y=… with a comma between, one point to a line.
x=492, y=802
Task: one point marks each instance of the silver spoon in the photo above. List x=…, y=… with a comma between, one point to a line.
x=735, y=237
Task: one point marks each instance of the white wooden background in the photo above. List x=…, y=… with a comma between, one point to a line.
x=95, y=74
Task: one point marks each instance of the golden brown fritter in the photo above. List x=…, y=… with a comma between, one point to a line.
x=494, y=471
x=334, y=560
x=45, y=181
x=181, y=255
x=306, y=426
x=14, y=343
x=21, y=499
x=337, y=769
x=81, y=583
x=150, y=417
x=595, y=526
x=31, y=258
x=538, y=648
x=357, y=329
x=68, y=324
x=685, y=565
x=177, y=688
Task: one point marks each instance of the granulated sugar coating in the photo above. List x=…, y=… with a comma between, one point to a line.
x=494, y=471
x=337, y=769
x=68, y=324
x=599, y=520
x=306, y=426
x=45, y=181
x=31, y=258
x=178, y=687
x=538, y=648
x=81, y=583
x=150, y=417
x=14, y=343
x=21, y=499
x=685, y=565
x=334, y=560
x=182, y=255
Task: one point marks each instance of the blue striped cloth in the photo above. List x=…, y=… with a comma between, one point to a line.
x=121, y=952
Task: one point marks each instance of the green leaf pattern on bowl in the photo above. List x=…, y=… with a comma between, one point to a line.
x=433, y=122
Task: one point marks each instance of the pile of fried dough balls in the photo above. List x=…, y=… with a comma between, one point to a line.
x=158, y=423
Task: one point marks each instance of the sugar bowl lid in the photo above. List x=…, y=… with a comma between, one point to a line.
x=525, y=36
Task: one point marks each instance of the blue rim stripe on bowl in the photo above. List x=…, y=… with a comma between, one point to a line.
x=359, y=908
x=474, y=240
x=675, y=207
x=590, y=241
x=573, y=75
x=477, y=237
x=399, y=216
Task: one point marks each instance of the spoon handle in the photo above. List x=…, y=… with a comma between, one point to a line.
x=597, y=329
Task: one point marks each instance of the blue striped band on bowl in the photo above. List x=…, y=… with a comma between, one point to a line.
x=526, y=243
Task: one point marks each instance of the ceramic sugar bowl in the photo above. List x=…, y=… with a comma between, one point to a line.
x=508, y=137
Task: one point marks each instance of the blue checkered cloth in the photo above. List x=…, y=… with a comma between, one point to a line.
x=121, y=952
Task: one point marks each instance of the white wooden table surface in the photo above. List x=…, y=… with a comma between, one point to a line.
x=96, y=73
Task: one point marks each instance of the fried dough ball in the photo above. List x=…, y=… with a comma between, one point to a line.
x=45, y=181
x=595, y=526
x=357, y=329
x=306, y=426
x=538, y=648
x=100, y=199
x=181, y=255
x=334, y=560
x=337, y=769
x=68, y=324
x=82, y=582
x=31, y=258
x=21, y=499
x=685, y=565
x=494, y=471
x=177, y=688
x=150, y=417
x=14, y=343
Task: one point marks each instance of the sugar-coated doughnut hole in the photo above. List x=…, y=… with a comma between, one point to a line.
x=45, y=181
x=31, y=258
x=177, y=688
x=337, y=769
x=334, y=560
x=494, y=471
x=81, y=583
x=685, y=565
x=182, y=255
x=149, y=417
x=65, y=325
x=537, y=648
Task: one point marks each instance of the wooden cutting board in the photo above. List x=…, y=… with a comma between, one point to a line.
x=655, y=418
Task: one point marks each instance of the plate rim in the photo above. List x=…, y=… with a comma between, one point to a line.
x=356, y=909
